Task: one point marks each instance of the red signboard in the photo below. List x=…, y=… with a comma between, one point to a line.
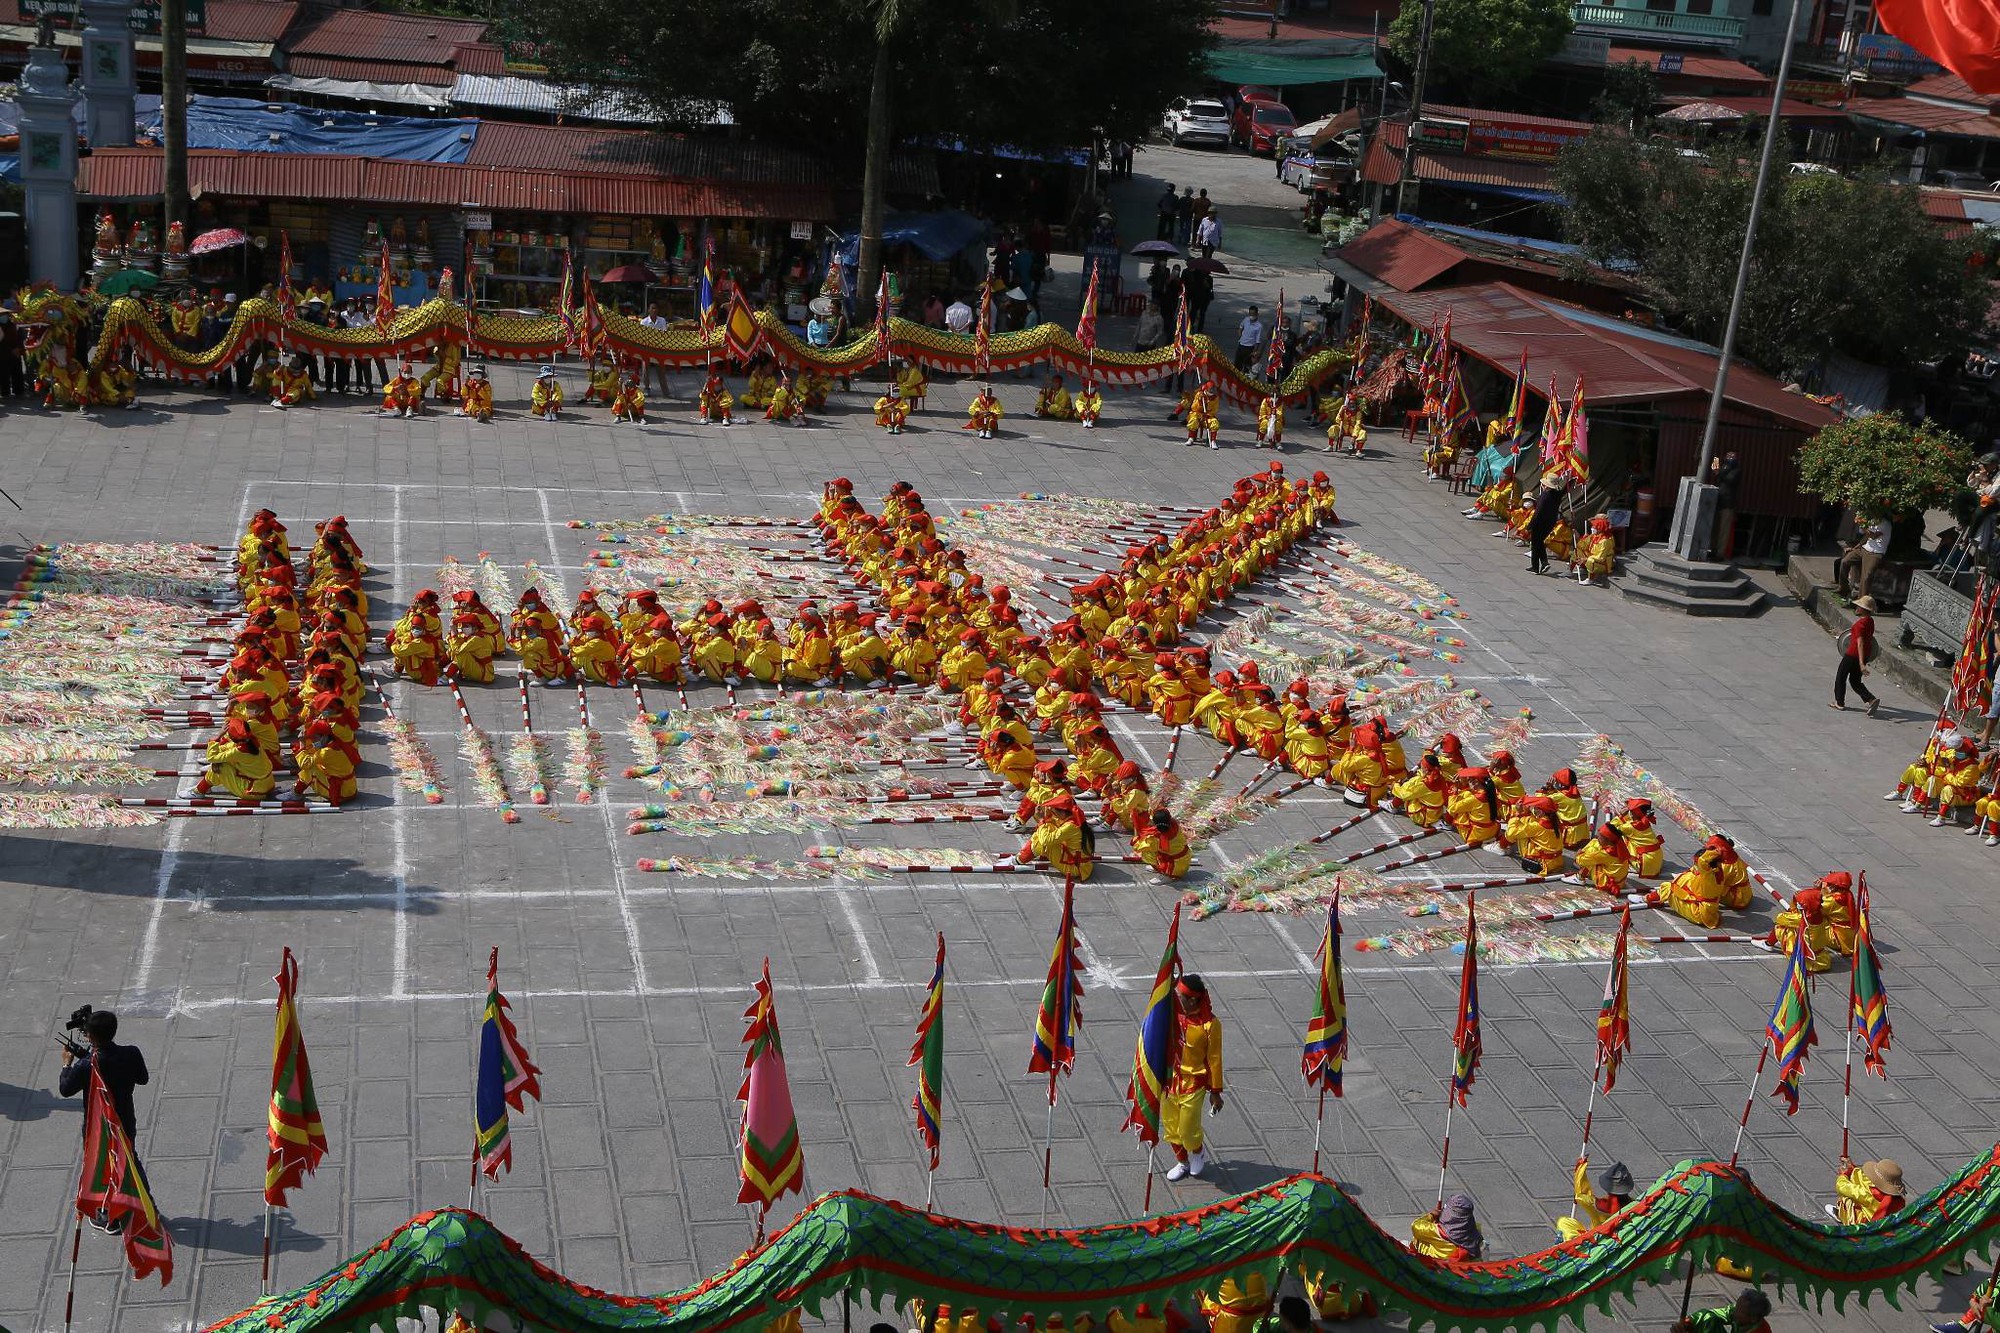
x=1517, y=139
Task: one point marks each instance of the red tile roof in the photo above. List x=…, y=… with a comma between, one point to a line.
x=1478, y=114
x=479, y=58
x=368, y=71
x=1694, y=67
x=1618, y=362
x=360, y=34
x=250, y=20
x=1753, y=107
x=1952, y=89
x=1403, y=256
x=133, y=173
x=643, y=153
x=1929, y=117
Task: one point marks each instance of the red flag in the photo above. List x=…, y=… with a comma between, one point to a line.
x=288, y=304
x=982, y=335
x=1061, y=1013
x=928, y=1056
x=773, y=1162
x=1961, y=35
x=1275, y=367
x=112, y=1184
x=1086, y=322
x=1614, y=1016
x=1466, y=1045
x=385, y=293
x=296, y=1134
x=882, y=318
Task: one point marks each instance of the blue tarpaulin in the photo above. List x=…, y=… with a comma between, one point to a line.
x=939, y=235
x=248, y=126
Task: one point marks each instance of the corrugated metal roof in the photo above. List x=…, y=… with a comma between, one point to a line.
x=479, y=58
x=1952, y=89
x=368, y=71
x=1618, y=362
x=1383, y=165
x=474, y=91
x=1694, y=67
x=135, y=173
x=1478, y=115
x=713, y=160
x=361, y=34
x=1929, y=117
x=1400, y=255
x=228, y=20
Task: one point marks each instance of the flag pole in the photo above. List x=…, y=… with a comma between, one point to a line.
x=1152, y=1166
x=1687, y=1291
x=1589, y=1112
x=1049, y=1139
x=75, y=1248
x=930, y=1188
x=1444, y=1160
x=264, y=1280
x=1847, y=1079
x=1319, y=1124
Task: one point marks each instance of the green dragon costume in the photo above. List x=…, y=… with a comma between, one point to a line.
x=883, y=1252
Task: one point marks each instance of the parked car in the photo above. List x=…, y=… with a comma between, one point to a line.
x=1258, y=125
x=1197, y=120
x=1960, y=180
x=1255, y=92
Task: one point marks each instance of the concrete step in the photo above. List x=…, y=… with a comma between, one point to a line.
x=1657, y=577
x=1741, y=605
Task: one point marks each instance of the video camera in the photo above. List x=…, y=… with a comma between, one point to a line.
x=77, y=1022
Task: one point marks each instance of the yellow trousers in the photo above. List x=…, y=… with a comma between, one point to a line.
x=1180, y=1119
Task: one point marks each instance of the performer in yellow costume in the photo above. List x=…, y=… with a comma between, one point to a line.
x=712, y=407
x=476, y=399
x=545, y=399
x=1197, y=1077
x=1053, y=403
x=984, y=413
x=629, y=404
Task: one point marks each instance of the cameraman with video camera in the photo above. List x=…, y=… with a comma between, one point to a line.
x=122, y=1068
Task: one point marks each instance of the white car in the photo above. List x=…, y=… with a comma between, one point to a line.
x=1197, y=120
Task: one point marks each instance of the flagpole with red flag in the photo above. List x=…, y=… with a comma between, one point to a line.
x=982, y=336
x=1154, y=1057
x=1867, y=1006
x=1056, y=1022
x=928, y=1056
x=296, y=1133
x=385, y=294
x=1086, y=329
x=1465, y=1041
x=773, y=1161
x=1614, y=1030
x=1326, y=1034
x=112, y=1184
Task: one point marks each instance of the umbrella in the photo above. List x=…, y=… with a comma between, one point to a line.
x=126, y=281
x=1207, y=266
x=628, y=273
x=1157, y=248
x=219, y=239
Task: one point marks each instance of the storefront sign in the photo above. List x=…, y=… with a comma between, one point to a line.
x=1579, y=49
x=1539, y=143
x=1446, y=136
x=145, y=15
x=802, y=231
x=1820, y=92
x=479, y=222
x=1670, y=62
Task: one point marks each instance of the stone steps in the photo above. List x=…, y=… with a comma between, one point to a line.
x=1656, y=576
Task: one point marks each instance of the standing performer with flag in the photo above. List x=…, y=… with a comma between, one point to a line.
x=297, y=1135
x=1056, y=1024
x=1326, y=1035
x=1153, y=1059
x=773, y=1162
x=928, y=1056
x=507, y=1077
x=1197, y=1077
x=1089, y=404
x=1614, y=1043
x=1466, y=1046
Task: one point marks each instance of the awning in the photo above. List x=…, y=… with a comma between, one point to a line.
x=939, y=235
x=1292, y=64
x=508, y=93
x=356, y=90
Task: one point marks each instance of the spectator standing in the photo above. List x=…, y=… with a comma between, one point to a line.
x=1202, y=208
x=1156, y=282
x=656, y=371
x=1724, y=473
x=1857, y=649
x=1167, y=207
x=1170, y=295
x=1200, y=289
x=13, y=351
x=1152, y=329
x=364, y=367
x=1249, y=337
x=1548, y=513
x=122, y=1068
x=1184, y=217
x=1209, y=235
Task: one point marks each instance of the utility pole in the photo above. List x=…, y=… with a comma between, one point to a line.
x=173, y=109
x=1695, y=506
x=1403, y=180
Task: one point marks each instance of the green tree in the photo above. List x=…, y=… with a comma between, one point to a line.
x=1852, y=266
x=1626, y=99
x=1483, y=46
x=1883, y=465
x=851, y=79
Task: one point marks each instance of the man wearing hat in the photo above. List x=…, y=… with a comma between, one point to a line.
x=1857, y=648
x=476, y=398
x=402, y=396
x=1612, y=1192
x=545, y=399
x=630, y=403
x=892, y=410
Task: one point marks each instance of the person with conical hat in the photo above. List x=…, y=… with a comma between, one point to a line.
x=545, y=397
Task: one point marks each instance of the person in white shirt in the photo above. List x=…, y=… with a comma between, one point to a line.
x=1209, y=234
x=656, y=371
x=365, y=368
x=1249, y=337
x=1859, y=561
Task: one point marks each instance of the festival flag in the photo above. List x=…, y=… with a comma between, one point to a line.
x=1326, y=1035
x=1871, y=1001
x=741, y=334
x=1961, y=35
x=1614, y=1016
x=882, y=318
x=1576, y=436
x=705, y=293
x=1552, y=429
x=1466, y=1046
x=1061, y=1013
x=566, y=302
x=1517, y=404
x=774, y=1163
x=1790, y=1030
x=112, y=1184
x=928, y=1056
x=1183, y=340
x=385, y=293
x=298, y=1137
x=1274, y=368
x=507, y=1077
x=1367, y=315
x=288, y=303
x=591, y=333
x=1458, y=410
x=1086, y=320
x=1153, y=1057
x=982, y=334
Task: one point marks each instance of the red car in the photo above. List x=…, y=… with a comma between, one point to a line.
x=1259, y=125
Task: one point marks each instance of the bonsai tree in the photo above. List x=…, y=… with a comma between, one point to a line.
x=1884, y=466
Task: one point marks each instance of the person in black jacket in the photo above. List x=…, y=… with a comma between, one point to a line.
x=122, y=1068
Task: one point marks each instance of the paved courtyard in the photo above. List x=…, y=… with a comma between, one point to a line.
x=629, y=987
